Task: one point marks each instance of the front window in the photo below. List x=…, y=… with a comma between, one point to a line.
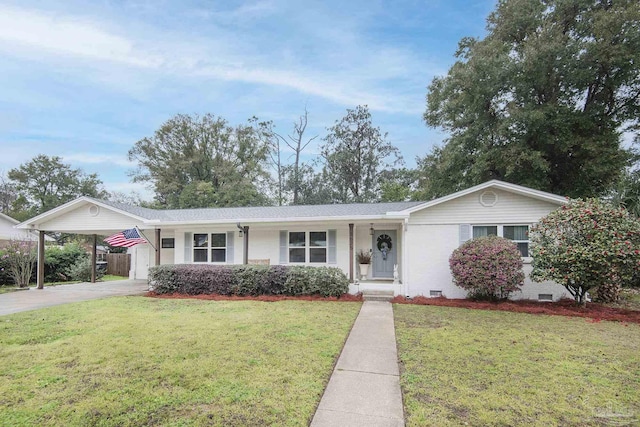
x=519, y=234
x=210, y=247
x=311, y=246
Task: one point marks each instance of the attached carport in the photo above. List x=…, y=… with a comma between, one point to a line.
x=96, y=218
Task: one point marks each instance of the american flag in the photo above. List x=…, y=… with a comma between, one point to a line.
x=125, y=239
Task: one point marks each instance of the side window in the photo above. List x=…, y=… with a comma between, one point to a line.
x=318, y=246
x=520, y=236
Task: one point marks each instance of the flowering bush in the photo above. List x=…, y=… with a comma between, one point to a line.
x=19, y=258
x=584, y=245
x=487, y=267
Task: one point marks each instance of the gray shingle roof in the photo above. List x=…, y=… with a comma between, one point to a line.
x=264, y=212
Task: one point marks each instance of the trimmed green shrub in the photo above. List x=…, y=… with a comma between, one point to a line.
x=58, y=261
x=193, y=279
x=487, y=267
x=81, y=271
x=586, y=245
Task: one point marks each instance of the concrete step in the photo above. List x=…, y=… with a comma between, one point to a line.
x=370, y=295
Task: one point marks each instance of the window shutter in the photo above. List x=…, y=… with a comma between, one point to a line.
x=230, y=250
x=188, y=250
x=465, y=232
x=333, y=252
x=283, y=246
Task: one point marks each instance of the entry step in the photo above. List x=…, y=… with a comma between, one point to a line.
x=372, y=295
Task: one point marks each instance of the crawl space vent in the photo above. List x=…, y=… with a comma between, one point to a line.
x=545, y=297
x=435, y=293
x=488, y=198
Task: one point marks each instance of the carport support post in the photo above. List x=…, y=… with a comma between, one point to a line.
x=40, y=277
x=93, y=258
x=158, y=245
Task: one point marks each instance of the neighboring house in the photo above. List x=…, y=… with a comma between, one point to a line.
x=417, y=237
x=9, y=232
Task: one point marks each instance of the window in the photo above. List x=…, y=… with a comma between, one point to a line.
x=168, y=243
x=305, y=246
x=210, y=247
x=519, y=234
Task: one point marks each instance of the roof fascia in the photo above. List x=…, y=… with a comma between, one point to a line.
x=55, y=212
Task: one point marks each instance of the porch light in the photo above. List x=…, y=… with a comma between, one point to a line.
x=371, y=230
x=241, y=228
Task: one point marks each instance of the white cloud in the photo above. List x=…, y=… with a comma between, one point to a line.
x=88, y=158
x=226, y=55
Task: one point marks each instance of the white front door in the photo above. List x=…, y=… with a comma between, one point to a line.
x=142, y=262
x=385, y=249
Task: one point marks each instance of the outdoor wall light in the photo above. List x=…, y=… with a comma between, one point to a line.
x=371, y=230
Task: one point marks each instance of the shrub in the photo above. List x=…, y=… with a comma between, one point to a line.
x=20, y=258
x=81, y=270
x=247, y=280
x=487, y=267
x=587, y=244
x=58, y=261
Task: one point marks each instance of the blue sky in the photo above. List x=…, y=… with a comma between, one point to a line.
x=85, y=80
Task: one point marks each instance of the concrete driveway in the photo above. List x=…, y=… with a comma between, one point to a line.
x=34, y=299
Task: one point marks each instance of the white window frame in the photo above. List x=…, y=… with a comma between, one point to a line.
x=307, y=247
x=500, y=227
x=209, y=248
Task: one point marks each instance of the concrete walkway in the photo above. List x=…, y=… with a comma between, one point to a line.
x=364, y=389
x=34, y=299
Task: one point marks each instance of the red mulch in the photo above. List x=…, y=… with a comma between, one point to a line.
x=565, y=307
x=265, y=298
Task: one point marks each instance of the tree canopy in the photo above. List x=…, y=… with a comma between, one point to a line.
x=46, y=182
x=354, y=155
x=540, y=101
x=194, y=161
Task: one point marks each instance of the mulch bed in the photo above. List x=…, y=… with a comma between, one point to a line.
x=265, y=298
x=566, y=307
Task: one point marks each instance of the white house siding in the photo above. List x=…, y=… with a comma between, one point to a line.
x=510, y=208
x=81, y=219
x=428, y=250
x=8, y=232
x=434, y=233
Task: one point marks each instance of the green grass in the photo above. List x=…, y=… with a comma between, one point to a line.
x=490, y=368
x=112, y=278
x=140, y=361
x=5, y=289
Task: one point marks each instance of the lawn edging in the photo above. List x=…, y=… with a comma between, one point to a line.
x=565, y=307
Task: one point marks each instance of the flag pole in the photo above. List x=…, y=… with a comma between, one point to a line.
x=145, y=237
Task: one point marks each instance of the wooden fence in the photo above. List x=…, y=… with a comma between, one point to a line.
x=119, y=264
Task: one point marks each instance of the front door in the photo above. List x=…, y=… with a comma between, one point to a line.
x=385, y=248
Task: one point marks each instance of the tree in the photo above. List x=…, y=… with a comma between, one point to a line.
x=586, y=245
x=194, y=161
x=8, y=195
x=354, y=155
x=398, y=185
x=540, y=101
x=45, y=183
x=626, y=192
x=296, y=142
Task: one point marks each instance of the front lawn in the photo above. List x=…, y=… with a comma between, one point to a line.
x=477, y=367
x=141, y=361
